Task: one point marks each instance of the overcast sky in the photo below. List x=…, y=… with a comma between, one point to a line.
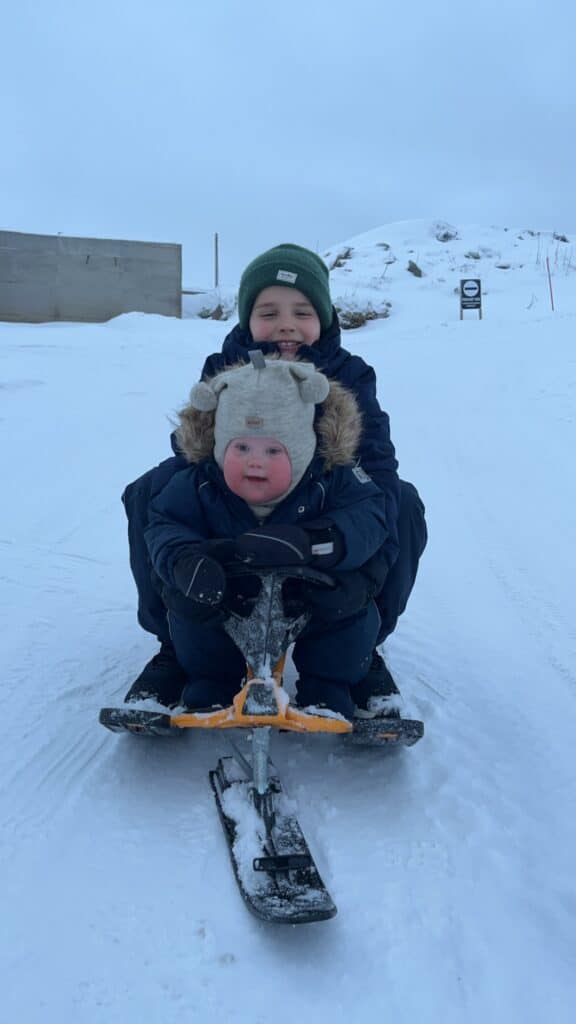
x=290, y=121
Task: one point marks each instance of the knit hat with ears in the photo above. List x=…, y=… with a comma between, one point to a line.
x=266, y=398
x=291, y=266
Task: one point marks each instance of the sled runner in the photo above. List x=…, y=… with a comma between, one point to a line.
x=274, y=869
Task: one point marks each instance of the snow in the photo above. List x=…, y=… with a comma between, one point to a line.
x=249, y=841
x=452, y=863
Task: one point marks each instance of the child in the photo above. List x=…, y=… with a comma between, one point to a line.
x=284, y=307
x=259, y=492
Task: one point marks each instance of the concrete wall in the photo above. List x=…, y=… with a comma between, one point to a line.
x=50, y=277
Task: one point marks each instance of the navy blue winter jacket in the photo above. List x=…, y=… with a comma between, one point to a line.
x=197, y=505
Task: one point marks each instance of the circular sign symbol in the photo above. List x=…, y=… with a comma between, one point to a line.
x=470, y=289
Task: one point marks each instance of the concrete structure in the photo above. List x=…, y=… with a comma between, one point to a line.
x=52, y=277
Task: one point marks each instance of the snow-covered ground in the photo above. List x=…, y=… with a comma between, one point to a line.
x=452, y=864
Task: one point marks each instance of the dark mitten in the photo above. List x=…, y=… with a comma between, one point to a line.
x=350, y=595
x=270, y=546
x=200, y=578
x=327, y=543
x=222, y=549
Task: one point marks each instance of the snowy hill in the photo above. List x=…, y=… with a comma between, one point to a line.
x=417, y=266
x=452, y=864
x=412, y=269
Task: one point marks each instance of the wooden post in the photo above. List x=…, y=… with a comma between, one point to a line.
x=550, y=283
x=216, y=259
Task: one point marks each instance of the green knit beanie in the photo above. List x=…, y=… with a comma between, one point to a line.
x=291, y=266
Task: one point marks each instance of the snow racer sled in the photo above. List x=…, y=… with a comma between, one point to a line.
x=274, y=868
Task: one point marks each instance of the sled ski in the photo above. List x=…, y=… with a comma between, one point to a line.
x=364, y=732
x=140, y=723
x=273, y=866
x=276, y=874
x=386, y=731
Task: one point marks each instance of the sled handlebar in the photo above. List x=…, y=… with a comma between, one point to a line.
x=287, y=572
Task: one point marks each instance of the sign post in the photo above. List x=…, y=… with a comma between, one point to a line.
x=470, y=295
x=550, y=283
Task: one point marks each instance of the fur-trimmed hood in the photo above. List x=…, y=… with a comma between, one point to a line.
x=338, y=427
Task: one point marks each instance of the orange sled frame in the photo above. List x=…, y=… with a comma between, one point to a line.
x=240, y=715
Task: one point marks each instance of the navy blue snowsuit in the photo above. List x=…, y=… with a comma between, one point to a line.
x=404, y=510
x=196, y=506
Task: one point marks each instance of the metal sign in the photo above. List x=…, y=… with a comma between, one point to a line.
x=470, y=295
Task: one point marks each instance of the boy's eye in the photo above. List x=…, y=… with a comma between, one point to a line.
x=274, y=451
x=241, y=447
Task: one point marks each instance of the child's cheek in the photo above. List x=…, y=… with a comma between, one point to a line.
x=259, y=330
x=280, y=474
x=232, y=473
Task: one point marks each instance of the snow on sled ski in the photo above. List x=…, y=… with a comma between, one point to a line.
x=276, y=875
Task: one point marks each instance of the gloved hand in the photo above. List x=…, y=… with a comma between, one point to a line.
x=222, y=549
x=350, y=595
x=318, y=543
x=270, y=546
x=200, y=578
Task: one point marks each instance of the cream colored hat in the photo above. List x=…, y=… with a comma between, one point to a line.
x=267, y=398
